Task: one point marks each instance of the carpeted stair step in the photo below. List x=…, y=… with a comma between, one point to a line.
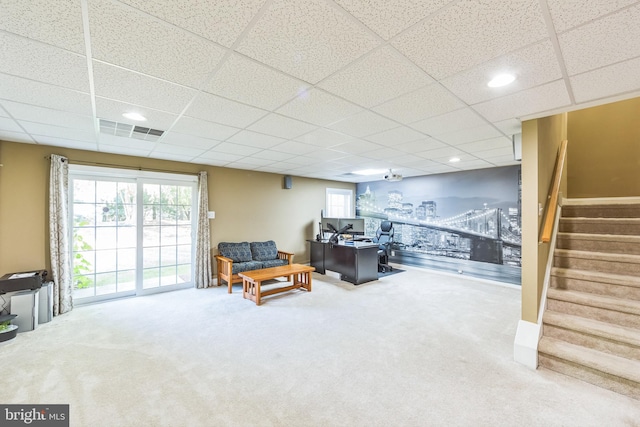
x=605, y=337
x=615, y=285
x=604, y=370
x=623, y=226
x=602, y=210
x=618, y=311
x=597, y=261
x=612, y=243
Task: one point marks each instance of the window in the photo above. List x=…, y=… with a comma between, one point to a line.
x=131, y=231
x=339, y=203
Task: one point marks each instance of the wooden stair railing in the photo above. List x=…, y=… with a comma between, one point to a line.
x=552, y=198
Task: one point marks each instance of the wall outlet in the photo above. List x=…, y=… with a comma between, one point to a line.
x=211, y=215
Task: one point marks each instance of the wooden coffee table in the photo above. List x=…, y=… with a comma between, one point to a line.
x=300, y=276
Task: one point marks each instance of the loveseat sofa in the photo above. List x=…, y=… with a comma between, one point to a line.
x=234, y=258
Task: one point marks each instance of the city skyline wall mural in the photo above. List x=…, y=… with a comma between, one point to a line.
x=461, y=222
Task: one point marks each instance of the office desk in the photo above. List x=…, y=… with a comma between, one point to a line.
x=356, y=262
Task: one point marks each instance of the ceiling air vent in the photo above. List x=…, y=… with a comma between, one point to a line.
x=128, y=131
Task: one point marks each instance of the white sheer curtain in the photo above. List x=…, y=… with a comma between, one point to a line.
x=203, y=243
x=59, y=234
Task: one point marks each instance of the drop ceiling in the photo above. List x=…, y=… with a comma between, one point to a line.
x=312, y=88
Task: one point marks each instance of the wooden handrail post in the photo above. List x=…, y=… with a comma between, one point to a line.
x=553, y=196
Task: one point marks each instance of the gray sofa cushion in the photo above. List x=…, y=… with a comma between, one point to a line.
x=264, y=251
x=238, y=252
x=274, y=263
x=239, y=267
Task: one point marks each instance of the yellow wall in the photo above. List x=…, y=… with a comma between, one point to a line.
x=603, y=154
x=540, y=142
x=249, y=205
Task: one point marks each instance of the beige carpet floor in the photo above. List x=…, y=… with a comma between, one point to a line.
x=419, y=348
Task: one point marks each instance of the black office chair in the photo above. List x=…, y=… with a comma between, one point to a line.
x=384, y=238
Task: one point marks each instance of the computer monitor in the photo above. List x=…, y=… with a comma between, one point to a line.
x=357, y=224
x=335, y=222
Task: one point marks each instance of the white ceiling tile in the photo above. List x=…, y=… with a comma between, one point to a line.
x=496, y=152
x=396, y=136
x=327, y=154
x=48, y=116
x=66, y=143
x=113, y=110
x=211, y=162
x=282, y=126
x=126, y=37
x=476, y=30
x=509, y=126
x=569, y=14
x=219, y=156
x=324, y=138
x=127, y=151
x=504, y=161
x=439, y=168
x=129, y=87
x=177, y=149
x=275, y=156
x=388, y=18
x=468, y=135
x=130, y=143
x=294, y=147
x=453, y=121
x=58, y=132
x=426, y=102
x=223, y=111
x=16, y=137
x=243, y=79
x=309, y=40
x=221, y=21
x=363, y=124
x=526, y=103
x=256, y=161
x=204, y=129
x=318, y=107
x=242, y=165
x=182, y=139
x=419, y=145
x=440, y=153
x=255, y=139
x=384, y=153
x=473, y=164
x=10, y=125
x=357, y=146
x=44, y=95
x=380, y=76
x=605, y=41
x=238, y=149
x=606, y=81
x=532, y=66
x=485, y=145
x=171, y=156
x=58, y=24
x=44, y=63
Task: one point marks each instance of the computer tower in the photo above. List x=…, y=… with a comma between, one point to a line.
x=25, y=305
x=45, y=303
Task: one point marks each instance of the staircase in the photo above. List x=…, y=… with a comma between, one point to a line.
x=591, y=326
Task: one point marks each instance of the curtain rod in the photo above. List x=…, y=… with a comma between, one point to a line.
x=111, y=165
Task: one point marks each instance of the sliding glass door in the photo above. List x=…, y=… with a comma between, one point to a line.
x=131, y=235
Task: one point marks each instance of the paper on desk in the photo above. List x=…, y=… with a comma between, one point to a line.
x=22, y=275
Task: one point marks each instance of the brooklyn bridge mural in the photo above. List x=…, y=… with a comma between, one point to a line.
x=463, y=222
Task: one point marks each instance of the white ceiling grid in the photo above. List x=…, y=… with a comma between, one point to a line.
x=315, y=88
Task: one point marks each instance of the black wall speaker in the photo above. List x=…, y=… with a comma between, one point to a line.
x=288, y=182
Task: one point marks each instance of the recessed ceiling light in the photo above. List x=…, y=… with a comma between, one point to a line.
x=501, y=80
x=454, y=159
x=135, y=116
x=370, y=171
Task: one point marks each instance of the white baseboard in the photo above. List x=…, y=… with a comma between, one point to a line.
x=525, y=346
